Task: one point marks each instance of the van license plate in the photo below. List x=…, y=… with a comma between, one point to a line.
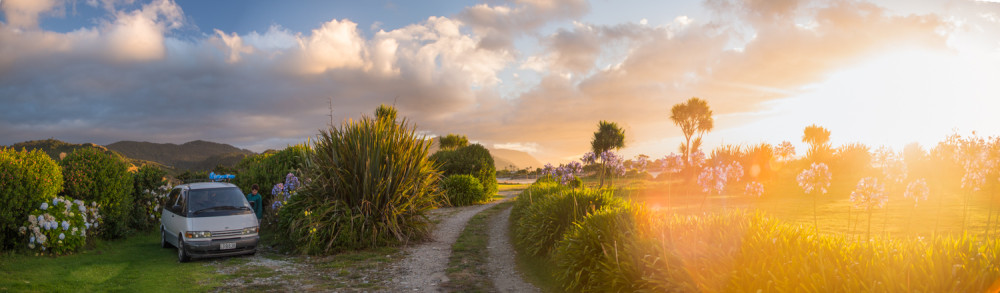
x=227, y=245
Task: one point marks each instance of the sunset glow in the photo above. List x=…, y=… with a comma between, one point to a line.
x=533, y=76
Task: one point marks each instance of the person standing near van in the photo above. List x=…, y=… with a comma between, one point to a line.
x=255, y=201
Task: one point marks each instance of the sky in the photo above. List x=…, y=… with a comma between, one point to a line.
x=529, y=75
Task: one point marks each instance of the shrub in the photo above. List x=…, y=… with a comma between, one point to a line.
x=269, y=169
x=610, y=251
x=371, y=185
x=545, y=221
x=28, y=178
x=463, y=190
x=473, y=160
x=535, y=192
x=93, y=175
x=62, y=227
x=149, y=190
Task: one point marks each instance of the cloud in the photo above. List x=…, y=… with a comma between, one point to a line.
x=129, y=77
x=24, y=13
x=499, y=25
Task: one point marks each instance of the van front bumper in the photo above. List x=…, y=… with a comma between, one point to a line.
x=213, y=247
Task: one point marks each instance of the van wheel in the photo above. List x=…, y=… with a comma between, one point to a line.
x=181, y=255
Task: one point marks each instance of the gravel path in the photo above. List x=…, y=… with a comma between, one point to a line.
x=424, y=269
x=502, y=268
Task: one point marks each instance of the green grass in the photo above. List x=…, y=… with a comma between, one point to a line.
x=505, y=187
x=467, y=266
x=135, y=264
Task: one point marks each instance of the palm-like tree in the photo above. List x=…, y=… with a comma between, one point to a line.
x=608, y=137
x=818, y=139
x=693, y=116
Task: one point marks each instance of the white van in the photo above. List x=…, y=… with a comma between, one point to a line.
x=208, y=219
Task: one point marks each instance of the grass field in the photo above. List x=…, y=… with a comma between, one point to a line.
x=135, y=264
x=941, y=214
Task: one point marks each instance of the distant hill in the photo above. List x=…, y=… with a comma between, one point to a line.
x=502, y=158
x=196, y=155
x=57, y=149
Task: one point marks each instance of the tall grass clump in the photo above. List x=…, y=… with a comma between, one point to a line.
x=463, y=190
x=91, y=174
x=27, y=179
x=369, y=184
x=611, y=251
x=542, y=188
x=545, y=221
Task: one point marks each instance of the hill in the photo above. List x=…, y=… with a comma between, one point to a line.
x=195, y=155
x=58, y=149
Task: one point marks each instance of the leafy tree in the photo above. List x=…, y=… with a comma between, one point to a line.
x=608, y=137
x=453, y=141
x=693, y=116
x=818, y=139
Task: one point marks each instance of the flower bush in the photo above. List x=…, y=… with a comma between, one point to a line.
x=150, y=190
x=816, y=178
x=714, y=179
x=61, y=226
x=91, y=174
x=566, y=174
x=282, y=193
x=754, y=189
x=27, y=179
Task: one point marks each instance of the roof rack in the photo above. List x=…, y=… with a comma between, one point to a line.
x=212, y=177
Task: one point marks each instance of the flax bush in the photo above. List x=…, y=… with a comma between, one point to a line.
x=367, y=183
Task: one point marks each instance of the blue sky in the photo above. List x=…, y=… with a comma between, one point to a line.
x=522, y=74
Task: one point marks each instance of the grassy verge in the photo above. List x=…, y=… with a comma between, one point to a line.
x=538, y=271
x=467, y=267
x=505, y=187
x=135, y=264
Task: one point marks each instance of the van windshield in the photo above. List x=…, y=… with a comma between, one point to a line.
x=217, y=202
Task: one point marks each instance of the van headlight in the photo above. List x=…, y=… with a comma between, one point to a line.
x=250, y=230
x=198, y=234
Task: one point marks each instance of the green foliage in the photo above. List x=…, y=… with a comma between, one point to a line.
x=269, y=169
x=149, y=190
x=372, y=184
x=463, y=190
x=190, y=176
x=544, y=221
x=609, y=136
x=453, y=141
x=28, y=178
x=60, y=226
x=93, y=175
x=472, y=160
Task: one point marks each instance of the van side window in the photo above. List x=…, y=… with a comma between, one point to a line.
x=171, y=199
x=182, y=204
